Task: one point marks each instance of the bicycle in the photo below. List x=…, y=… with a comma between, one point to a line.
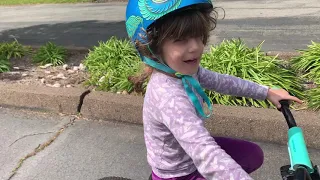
x=301, y=167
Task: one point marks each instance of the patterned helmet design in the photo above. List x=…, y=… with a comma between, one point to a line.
x=140, y=14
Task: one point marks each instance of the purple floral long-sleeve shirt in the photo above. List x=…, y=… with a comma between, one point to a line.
x=176, y=140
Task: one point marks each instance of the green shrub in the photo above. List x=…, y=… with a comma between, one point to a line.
x=314, y=98
x=111, y=63
x=4, y=63
x=308, y=63
x=235, y=58
x=308, y=66
x=50, y=53
x=13, y=49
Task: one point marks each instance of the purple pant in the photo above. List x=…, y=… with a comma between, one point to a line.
x=247, y=154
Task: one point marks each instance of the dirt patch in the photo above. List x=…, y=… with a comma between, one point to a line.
x=72, y=74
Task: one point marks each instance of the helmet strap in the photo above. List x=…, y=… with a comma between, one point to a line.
x=157, y=57
x=190, y=84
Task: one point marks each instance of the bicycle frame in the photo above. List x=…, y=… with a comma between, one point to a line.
x=300, y=163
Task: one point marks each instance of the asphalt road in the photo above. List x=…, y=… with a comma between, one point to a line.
x=90, y=149
x=284, y=25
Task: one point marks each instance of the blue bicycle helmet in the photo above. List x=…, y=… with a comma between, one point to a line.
x=140, y=14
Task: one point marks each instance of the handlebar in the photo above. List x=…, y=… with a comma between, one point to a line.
x=287, y=113
x=298, y=148
x=301, y=174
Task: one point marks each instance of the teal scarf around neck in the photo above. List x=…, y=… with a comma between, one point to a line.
x=188, y=82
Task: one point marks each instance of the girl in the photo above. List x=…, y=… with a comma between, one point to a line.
x=170, y=36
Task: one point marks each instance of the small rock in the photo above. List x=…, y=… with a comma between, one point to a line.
x=12, y=73
x=68, y=86
x=16, y=68
x=65, y=66
x=71, y=81
x=70, y=71
x=24, y=75
x=309, y=86
x=56, y=85
x=42, y=80
x=61, y=75
x=50, y=76
x=47, y=72
x=75, y=68
x=125, y=92
x=102, y=79
x=50, y=81
x=45, y=66
x=49, y=85
x=118, y=92
x=82, y=67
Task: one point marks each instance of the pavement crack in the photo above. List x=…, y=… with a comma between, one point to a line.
x=30, y=135
x=42, y=146
x=82, y=96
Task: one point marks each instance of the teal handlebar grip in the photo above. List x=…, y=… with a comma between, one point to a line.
x=297, y=149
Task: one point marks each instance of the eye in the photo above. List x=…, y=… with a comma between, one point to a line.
x=180, y=40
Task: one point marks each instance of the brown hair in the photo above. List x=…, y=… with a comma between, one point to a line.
x=192, y=21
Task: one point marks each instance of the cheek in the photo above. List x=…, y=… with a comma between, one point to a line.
x=175, y=56
x=172, y=55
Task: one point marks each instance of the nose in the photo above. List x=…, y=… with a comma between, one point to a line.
x=194, y=44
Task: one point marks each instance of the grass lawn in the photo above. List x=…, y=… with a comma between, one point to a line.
x=21, y=2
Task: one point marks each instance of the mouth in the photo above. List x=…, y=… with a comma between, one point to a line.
x=191, y=61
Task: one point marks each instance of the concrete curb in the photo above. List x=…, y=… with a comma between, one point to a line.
x=283, y=55
x=40, y=98
x=242, y=122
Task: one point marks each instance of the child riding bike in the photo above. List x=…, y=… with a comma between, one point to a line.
x=170, y=36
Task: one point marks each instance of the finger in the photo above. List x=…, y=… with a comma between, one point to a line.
x=278, y=105
x=296, y=99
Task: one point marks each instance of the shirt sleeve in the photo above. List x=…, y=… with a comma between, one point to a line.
x=212, y=162
x=231, y=85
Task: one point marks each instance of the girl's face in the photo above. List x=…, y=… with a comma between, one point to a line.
x=183, y=55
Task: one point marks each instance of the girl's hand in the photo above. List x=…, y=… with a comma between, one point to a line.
x=276, y=95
